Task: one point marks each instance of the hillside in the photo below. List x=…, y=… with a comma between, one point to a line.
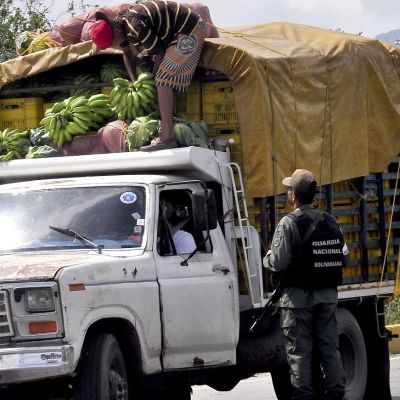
x=390, y=36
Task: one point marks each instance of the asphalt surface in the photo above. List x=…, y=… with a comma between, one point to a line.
x=260, y=387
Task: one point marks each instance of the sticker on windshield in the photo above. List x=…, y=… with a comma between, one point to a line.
x=140, y=222
x=136, y=215
x=137, y=229
x=128, y=197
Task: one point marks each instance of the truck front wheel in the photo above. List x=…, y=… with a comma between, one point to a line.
x=102, y=374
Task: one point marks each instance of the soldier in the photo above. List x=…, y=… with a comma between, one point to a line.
x=307, y=256
x=171, y=32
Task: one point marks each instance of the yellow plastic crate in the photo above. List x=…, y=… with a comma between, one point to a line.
x=188, y=105
x=21, y=113
x=219, y=104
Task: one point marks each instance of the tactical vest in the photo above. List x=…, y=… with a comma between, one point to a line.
x=318, y=262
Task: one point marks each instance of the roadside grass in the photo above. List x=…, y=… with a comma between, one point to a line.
x=392, y=312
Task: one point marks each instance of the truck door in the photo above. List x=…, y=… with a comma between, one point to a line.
x=199, y=299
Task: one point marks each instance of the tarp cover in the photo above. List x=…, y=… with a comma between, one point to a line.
x=306, y=98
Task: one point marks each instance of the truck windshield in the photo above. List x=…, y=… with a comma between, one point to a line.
x=112, y=217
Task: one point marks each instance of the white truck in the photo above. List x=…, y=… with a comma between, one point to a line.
x=95, y=300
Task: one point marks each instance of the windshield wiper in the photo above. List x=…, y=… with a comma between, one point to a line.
x=77, y=235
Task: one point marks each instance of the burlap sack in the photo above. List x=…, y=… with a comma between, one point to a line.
x=113, y=136
x=90, y=20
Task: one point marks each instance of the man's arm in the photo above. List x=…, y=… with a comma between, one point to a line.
x=129, y=57
x=279, y=257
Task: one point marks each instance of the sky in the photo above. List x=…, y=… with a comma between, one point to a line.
x=371, y=17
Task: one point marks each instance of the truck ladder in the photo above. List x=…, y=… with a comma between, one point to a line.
x=243, y=220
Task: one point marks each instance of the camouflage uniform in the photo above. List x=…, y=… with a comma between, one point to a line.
x=307, y=319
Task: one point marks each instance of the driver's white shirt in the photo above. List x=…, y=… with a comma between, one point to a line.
x=184, y=242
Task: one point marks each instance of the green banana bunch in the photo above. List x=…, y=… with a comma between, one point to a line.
x=100, y=109
x=41, y=152
x=58, y=120
x=130, y=100
x=76, y=115
x=14, y=143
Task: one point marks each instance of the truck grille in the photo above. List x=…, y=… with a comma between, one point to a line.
x=5, y=320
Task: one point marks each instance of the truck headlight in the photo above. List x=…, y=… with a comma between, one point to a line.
x=39, y=299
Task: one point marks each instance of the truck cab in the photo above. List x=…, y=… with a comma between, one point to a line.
x=89, y=249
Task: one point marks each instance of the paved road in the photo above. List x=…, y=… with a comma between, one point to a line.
x=260, y=387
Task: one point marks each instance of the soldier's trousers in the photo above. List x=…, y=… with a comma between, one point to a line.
x=307, y=330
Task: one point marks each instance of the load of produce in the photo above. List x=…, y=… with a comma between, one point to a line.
x=191, y=133
x=134, y=99
x=141, y=131
x=83, y=79
x=76, y=116
x=14, y=143
x=111, y=70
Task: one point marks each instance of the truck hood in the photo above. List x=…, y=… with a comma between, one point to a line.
x=22, y=267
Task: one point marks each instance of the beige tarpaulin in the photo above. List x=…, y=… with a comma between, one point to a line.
x=306, y=98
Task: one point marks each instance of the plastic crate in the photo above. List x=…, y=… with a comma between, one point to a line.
x=21, y=113
x=188, y=105
x=219, y=104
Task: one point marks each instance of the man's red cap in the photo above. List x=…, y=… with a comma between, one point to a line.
x=102, y=34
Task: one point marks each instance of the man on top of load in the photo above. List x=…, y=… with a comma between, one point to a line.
x=171, y=32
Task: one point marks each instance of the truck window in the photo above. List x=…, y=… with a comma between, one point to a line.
x=176, y=234
x=112, y=217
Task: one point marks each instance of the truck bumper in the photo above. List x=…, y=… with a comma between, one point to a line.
x=21, y=364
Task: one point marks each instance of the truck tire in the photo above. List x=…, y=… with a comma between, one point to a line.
x=353, y=353
x=102, y=374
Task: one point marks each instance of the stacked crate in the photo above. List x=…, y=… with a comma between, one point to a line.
x=188, y=106
x=219, y=112
x=23, y=113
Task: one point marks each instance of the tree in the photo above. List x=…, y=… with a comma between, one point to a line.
x=14, y=20
x=32, y=16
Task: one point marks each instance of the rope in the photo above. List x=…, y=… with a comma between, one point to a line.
x=397, y=284
x=246, y=38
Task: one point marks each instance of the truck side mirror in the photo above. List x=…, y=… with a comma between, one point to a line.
x=204, y=209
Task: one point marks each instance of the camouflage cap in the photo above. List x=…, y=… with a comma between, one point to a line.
x=301, y=181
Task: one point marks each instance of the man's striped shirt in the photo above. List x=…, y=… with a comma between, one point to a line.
x=154, y=25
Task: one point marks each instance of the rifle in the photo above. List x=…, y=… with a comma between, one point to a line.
x=268, y=307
